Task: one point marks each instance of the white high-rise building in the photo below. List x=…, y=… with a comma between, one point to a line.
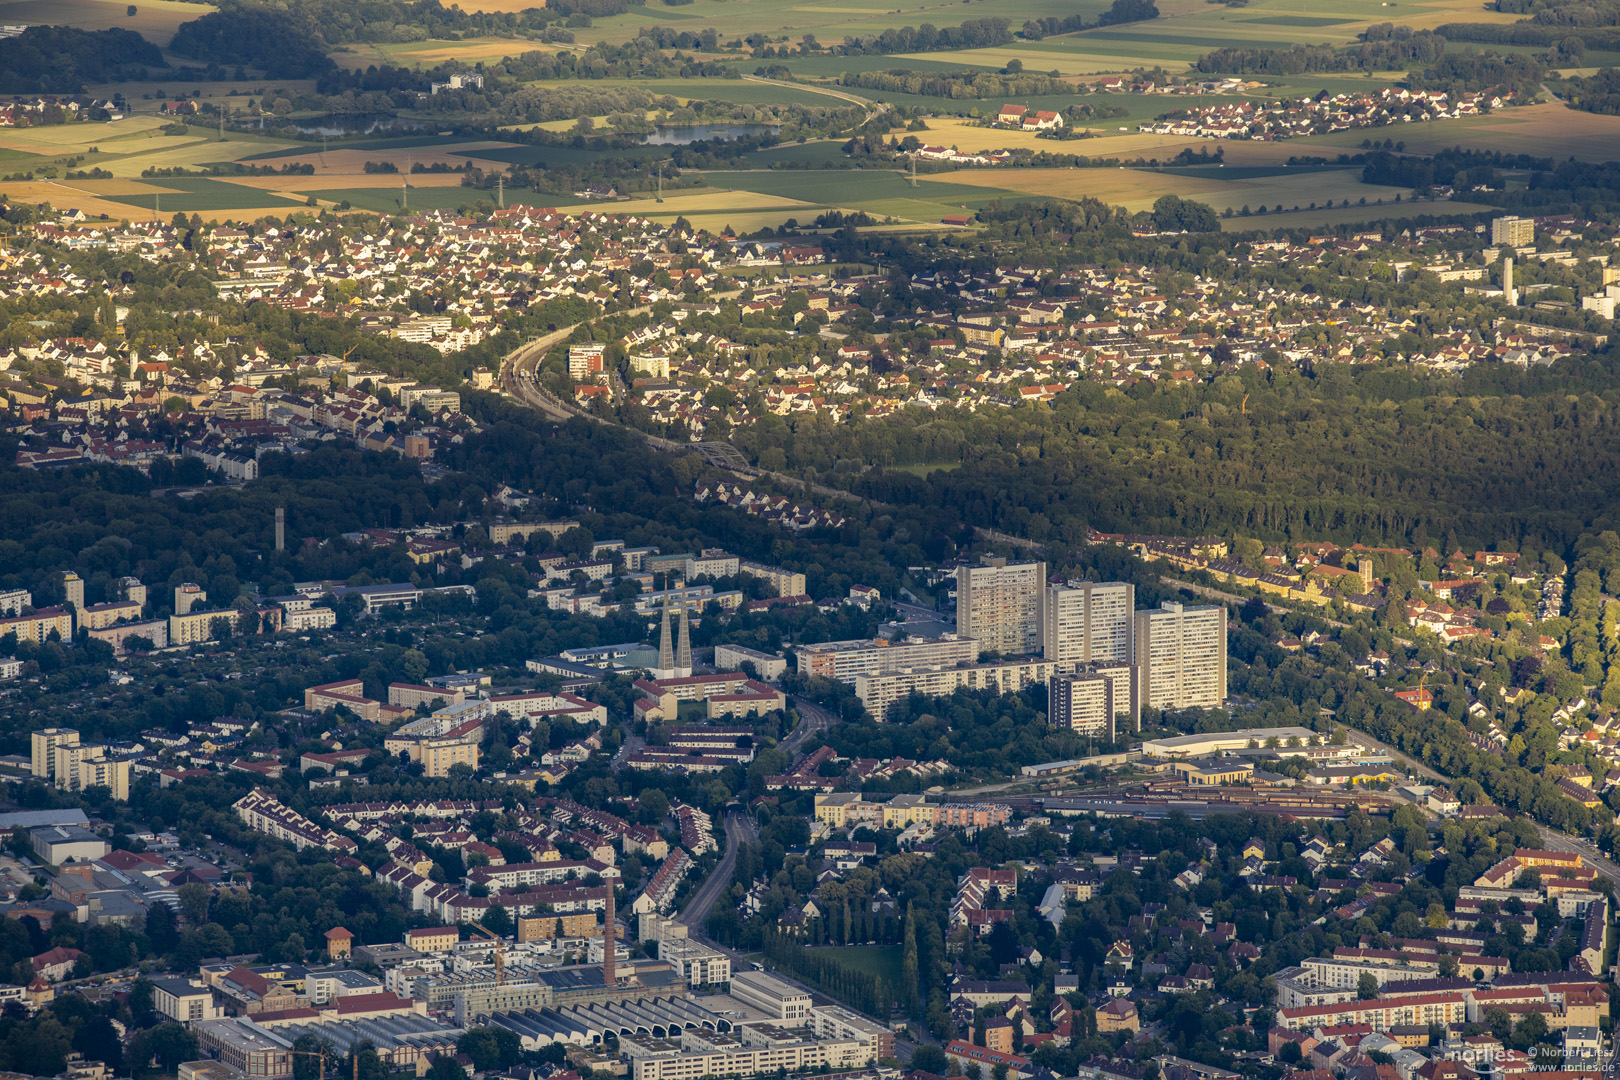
x=44, y=744
x=1089, y=622
x=1096, y=700
x=998, y=604
x=1181, y=657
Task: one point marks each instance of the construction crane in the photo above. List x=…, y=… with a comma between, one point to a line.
x=500, y=952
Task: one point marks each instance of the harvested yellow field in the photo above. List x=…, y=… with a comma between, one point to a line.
x=75, y=138
x=1548, y=130
x=1137, y=189
x=116, y=187
x=65, y=195
x=501, y=7
x=747, y=221
x=154, y=20
x=966, y=135
x=437, y=51
x=131, y=158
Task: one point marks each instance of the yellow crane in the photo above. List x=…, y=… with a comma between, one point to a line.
x=500, y=952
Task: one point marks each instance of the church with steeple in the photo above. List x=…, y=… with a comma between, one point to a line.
x=674, y=656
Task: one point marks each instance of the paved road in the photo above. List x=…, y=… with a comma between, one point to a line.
x=1558, y=841
x=739, y=828
x=815, y=720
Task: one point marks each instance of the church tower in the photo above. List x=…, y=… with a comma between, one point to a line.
x=683, y=652
x=666, y=646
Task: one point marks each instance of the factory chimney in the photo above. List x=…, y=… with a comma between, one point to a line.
x=610, y=943
x=281, y=528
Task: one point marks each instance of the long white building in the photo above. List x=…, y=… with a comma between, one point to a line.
x=880, y=693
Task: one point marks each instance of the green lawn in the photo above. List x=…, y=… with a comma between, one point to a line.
x=880, y=960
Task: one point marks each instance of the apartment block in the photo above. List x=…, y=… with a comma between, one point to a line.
x=82, y=766
x=307, y=619
x=1181, y=657
x=449, y=737
x=764, y=1050
x=785, y=582
x=1098, y=701
x=846, y=660
x=411, y=695
x=732, y=657
x=998, y=604
x=43, y=743
x=1089, y=621
x=154, y=630
x=1513, y=231
x=73, y=590
x=101, y=616
x=880, y=693
x=186, y=597
x=38, y=626
x=195, y=627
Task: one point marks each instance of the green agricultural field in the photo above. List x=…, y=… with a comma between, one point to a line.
x=1352, y=215
x=1188, y=30
x=829, y=20
x=1300, y=20
x=740, y=91
x=406, y=142
x=386, y=200
x=822, y=154
x=193, y=193
x=827, y=67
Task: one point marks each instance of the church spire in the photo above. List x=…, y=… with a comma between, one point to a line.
x=666, y=644
x=683, y=653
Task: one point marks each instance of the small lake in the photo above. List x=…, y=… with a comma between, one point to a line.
x=691, y=133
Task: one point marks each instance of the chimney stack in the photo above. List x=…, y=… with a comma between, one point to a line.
x=281, y=528
x=610, y=943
